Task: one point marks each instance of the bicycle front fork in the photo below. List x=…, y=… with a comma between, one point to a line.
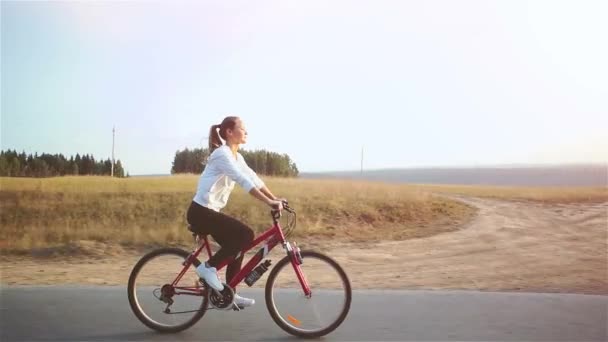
x=296, y=260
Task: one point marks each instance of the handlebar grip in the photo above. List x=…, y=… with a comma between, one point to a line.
x=276, y=214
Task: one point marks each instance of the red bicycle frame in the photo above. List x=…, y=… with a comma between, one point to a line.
x=273, y=236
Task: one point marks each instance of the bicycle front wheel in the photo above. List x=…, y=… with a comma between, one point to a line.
x=158, y=303
x=308, y=316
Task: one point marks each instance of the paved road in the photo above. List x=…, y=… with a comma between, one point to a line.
x=103, y=314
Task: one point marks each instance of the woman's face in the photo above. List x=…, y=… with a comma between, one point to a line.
x=238, y=135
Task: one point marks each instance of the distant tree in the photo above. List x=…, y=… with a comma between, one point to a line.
x=14, y=168
x=261, y=161
x=85, y=165
x=118, y=170
x=74, y=169
x=48, y=165
x=4, y=166
x=69, y=170
x=189, y=161
x=39, y=168
x=22, y=158
x=77, y=161
x=107, y=167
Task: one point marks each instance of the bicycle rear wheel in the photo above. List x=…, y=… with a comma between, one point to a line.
x=160, y=305
x=313, y=316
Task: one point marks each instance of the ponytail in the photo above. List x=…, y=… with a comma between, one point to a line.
x=218, y=132
x=214, y=138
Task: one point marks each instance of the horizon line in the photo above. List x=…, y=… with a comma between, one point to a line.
x=470, y=167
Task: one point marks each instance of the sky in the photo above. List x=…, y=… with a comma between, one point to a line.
x=408, y=83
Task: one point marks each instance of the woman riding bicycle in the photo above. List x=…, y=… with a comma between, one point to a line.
x=225, y=166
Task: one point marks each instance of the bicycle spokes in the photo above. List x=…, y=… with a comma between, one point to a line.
x=161, y=304
x=321, y=309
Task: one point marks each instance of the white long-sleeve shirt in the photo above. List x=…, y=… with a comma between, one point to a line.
x=220, y=174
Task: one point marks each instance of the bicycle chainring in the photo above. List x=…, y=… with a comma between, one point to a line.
x=222, y=300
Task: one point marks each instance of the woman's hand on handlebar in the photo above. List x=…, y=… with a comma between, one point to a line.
x=276, y=204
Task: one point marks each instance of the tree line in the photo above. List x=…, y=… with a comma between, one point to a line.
x=13, y=164
x=261, y=161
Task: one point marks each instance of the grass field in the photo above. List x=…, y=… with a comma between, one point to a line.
x=549, y=195
x=56, y=212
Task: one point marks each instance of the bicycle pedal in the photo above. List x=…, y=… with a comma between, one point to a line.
x=236, y=307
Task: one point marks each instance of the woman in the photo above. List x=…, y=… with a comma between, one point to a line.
x=225, y=166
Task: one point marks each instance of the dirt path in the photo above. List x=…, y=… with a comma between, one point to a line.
x=513, y=246
x=509, y=246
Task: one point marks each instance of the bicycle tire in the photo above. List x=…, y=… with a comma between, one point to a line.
x=276, y=316
x=137, y=310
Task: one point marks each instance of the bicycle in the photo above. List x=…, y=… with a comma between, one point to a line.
x=289, y=295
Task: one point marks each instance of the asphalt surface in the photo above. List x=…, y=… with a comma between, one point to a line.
x=103, y=314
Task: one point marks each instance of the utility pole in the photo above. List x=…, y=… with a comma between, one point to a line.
x=361, y=160
x=113, y=133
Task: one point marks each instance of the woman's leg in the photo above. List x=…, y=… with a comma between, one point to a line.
x=233, y=269
x=231, y=234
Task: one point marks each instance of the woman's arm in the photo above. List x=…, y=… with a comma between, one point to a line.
x=256, y=180
x=264, y=189
x=271, y=201
x=228, y=166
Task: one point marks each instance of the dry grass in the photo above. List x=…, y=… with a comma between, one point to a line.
x=97, y=184
x=65, y=211
x=52, y=212
x=549, y=195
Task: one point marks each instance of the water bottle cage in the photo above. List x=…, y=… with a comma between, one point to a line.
x=257, y=273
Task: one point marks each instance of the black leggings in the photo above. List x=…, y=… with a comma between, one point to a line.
x=230, y=233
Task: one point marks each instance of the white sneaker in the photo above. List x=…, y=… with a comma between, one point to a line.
x=242, y=301
x=209, y=274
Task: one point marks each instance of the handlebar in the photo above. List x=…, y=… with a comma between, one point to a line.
x=291, y=220
x=276, y=214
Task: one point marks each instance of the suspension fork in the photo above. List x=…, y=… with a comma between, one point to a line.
x=296, y=267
